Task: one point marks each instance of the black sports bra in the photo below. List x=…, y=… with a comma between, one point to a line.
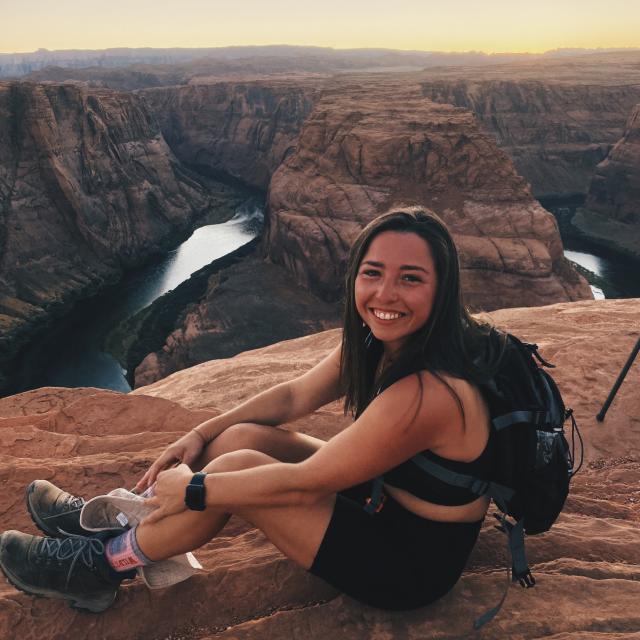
x=410, y=477
x=420, y=483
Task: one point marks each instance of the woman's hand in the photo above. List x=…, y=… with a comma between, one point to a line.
x=185, y=450
x=169, y=493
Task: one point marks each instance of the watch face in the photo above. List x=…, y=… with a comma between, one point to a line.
x=194, y=498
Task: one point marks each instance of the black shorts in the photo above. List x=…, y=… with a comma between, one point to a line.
x=392, y=559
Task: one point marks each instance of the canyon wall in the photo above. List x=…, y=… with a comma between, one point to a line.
x=88, y=187
x=237, y=130
x=110, y=175
x=615, y=187
x=554, y=132
x=365, y=149
x=248, y=303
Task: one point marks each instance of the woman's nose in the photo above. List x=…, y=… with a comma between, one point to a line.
x=387, y=291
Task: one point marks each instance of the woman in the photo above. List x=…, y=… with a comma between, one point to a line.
x=406, y=370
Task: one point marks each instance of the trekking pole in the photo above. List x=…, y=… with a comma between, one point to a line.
x=619, y=381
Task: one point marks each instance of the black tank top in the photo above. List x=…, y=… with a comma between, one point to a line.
x=411, y=478
x=420, y=483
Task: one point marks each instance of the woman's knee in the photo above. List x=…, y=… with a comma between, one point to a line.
x=238, y=460
x=244, y=435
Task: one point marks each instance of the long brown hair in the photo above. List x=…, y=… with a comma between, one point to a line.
x=447, y=343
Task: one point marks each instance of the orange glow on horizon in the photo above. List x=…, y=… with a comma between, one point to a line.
x=494, y=26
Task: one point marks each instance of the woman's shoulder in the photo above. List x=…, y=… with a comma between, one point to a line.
x=438, y=396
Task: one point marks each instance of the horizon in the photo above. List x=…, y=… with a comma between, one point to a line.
x=600, y=49
x=464, y=26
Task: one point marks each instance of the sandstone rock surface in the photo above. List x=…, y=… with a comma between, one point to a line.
x=615, y=187
x=555, y=132
x=587, y=567
x=364, y=149
x=246, y=305
x=88, y=187
x=239, y=129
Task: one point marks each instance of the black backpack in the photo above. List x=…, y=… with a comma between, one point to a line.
x=533, y=460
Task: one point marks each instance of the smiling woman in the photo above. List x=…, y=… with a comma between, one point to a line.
x=406, y=370
x=395, y=287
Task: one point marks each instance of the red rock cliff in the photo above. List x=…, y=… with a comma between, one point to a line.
x=555, y=132
x=615, y=187
x=239, y=129
x=363, y=150
x=87, y=186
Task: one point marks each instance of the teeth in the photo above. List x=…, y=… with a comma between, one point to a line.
x=386, y=315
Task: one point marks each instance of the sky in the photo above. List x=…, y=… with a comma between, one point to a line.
x=493, y=26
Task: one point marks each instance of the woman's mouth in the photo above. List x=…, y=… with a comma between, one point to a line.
x=382, y=314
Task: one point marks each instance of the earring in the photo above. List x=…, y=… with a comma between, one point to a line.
x=368, y=340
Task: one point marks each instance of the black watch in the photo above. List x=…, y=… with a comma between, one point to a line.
x=196, y=492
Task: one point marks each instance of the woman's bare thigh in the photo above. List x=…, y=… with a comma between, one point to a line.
x=283, y=445
x=296, y=530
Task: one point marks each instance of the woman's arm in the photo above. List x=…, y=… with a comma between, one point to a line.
x=397, y=425
x=285, y=402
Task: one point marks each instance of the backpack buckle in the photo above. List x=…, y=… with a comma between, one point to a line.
x=479, y=487
x=539, y=418
x=527, y=580
x=377, y=508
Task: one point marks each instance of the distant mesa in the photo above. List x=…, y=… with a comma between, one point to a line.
x=270, y=59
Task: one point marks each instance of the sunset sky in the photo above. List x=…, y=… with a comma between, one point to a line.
x=443, y=25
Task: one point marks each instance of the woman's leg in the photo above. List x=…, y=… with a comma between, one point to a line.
x=297, y=530
x=52, y=508
x=283, y=445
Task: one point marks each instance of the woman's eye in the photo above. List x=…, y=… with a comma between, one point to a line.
x=408, y=277
x=370, y=273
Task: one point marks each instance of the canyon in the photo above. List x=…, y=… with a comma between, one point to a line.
x=331, y=152
x=88, y=188
x=239, y=130
x=555, y=132
x=364, y=146
x=94, y=181
x=610, y=215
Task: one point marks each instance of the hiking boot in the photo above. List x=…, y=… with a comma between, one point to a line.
x=54, y=511
x=72, y=568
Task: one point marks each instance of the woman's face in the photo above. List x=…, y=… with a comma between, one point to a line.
x=395, y=287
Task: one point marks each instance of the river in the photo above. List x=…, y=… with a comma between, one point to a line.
x=72, y=354
x=616, y=276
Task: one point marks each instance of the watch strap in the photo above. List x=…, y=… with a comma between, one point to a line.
x=195, y=494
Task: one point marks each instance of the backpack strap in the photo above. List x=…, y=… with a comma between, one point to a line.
x=374, y=502
x=497, y=492
x=519, y=568
x=537, y=418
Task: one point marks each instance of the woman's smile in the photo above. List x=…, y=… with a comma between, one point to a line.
x=387, y=315
x=395, y=287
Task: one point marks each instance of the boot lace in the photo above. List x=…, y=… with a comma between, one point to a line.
x=75, y=548
x=74, y=504
x=70, y=505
